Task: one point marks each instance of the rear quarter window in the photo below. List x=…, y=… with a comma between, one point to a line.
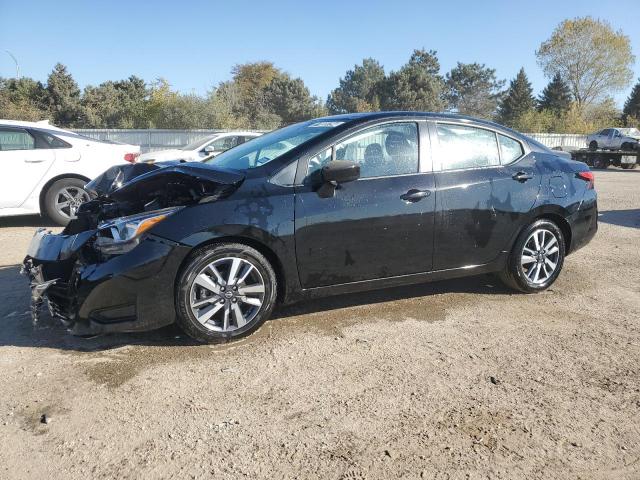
x=510, y=149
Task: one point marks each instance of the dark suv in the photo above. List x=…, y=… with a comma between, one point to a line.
x=332, y=205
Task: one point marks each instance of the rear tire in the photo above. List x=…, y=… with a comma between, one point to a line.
x=225, y=291
x=62, y=199
x=626, y=146
x=536, y=259
x=593, y=145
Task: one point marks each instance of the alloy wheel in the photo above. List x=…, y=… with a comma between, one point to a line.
x=540, y=256
x=227, y=294
x=68, y=199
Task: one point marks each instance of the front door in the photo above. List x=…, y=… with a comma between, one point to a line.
x=378, y=226
x=23, y=165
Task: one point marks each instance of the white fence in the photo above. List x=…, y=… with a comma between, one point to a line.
x=153, y=139
x=565, y=140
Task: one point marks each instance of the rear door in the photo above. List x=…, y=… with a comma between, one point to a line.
x=378, y=226
x=24, y=161
x=480, y=202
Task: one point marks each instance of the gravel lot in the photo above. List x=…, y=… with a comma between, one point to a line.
x=458, y=379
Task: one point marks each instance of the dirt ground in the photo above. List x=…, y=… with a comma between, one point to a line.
x=457, y=379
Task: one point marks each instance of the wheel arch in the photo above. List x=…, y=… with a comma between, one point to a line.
x=51, y=181
x=261, y=247
x=563, y=225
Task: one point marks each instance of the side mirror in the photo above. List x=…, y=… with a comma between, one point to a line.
x=335, y=173
x=340, y=171
x=209, y=149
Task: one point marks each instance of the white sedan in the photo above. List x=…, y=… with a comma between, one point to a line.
x=202, y=148
x=44, y=168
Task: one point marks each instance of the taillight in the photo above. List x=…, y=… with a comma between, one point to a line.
x=587, y=177
x=131, y=157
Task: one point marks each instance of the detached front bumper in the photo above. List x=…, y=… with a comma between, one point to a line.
x=92, y=294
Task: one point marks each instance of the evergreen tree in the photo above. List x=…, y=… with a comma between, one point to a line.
x=518, y=100
x=417, y=86
x=290, y=99
x=64, y=97
x=632, y=105
x=359, y=89
x=556, y=96
x=472, y=89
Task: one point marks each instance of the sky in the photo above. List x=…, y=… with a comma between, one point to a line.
x=194, y=44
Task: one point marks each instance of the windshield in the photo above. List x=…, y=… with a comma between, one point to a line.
x=630, y=131
x=266, y=148
x=198, y=143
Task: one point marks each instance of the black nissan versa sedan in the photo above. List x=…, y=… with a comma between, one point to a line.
x=332, y=205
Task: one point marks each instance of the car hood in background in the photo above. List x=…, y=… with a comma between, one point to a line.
x=162, y=155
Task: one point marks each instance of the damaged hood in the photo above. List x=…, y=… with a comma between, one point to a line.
x=142, y=187
x=120, y=180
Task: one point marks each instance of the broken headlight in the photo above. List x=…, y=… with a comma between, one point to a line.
x=122, y=234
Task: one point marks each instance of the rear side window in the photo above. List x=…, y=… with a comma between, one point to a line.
x=47, y=140
x=55, y=142
x=461, y=146
x=510, y=149
x=14, y=139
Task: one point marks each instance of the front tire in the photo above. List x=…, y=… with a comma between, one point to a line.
x=225, y=291
x=593, y=145
x=536, y=259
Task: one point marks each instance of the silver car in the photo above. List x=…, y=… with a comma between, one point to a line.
x=614, y=139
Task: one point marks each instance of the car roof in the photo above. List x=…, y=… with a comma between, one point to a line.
x=44, y=124
x=368, y=116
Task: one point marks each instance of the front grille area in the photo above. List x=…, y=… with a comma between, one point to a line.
x=62, y=302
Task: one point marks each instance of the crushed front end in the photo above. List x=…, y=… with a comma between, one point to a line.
x=107, y=271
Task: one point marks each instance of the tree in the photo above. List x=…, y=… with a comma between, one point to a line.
x=590, y=56
x=290, y=99
x=252, y=80
x=63, y=97
x=473, y=89
x=517, y=101
x=417, y=85
x=359, y=89
x=23, y=99
x=556, y=96
x=120, y=104
x=632, y=105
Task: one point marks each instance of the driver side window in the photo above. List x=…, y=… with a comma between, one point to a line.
x=383, y=150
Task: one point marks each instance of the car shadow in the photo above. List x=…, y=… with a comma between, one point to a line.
x=480, y=284
x=27, y=221
x=624, y=218
x=18, y=330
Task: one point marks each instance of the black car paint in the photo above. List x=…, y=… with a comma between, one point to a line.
x=365, y=236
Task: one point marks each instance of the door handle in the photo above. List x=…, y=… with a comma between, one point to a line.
x=415, y=195
x=522, y=176
x=39, y=160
